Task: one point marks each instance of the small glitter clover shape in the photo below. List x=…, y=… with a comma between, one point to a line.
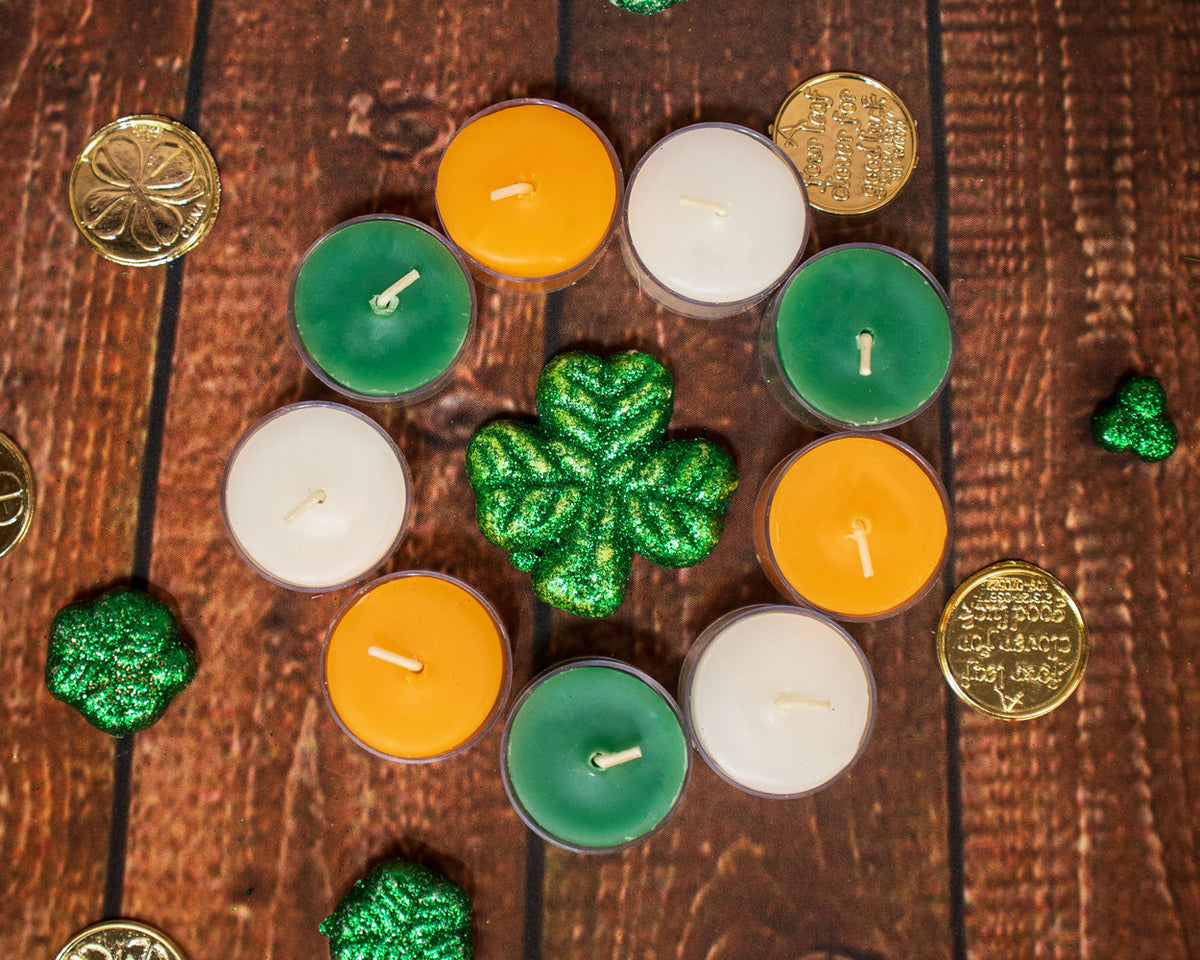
x=645, y=7
x=573, y=497
x=118, y=660
x=401, y=911
x=142, y=192
x=1136, y=420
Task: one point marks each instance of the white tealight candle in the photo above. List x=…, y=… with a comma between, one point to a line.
x=715, y=217
x=778, y=700
x=315, y=496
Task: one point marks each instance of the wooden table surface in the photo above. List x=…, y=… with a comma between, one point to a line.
x=1058, y=199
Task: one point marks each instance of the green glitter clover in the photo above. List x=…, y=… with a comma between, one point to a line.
x=573, y=497
x=1136, y=420
x=644, y=6
x=118, y=660
x=401, y=911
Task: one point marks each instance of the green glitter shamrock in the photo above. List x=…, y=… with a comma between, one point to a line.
x=1136, y=420
x=644, y=6
x=573, y=497
x=118, y=660
x=401, y=911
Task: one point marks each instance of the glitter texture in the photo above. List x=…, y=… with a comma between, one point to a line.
x=118, y=660
x=1136, y=420
x=573, y=497
x=401, y=911
x=644, y=6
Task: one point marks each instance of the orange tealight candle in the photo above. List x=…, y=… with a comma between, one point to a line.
x=529, y=192
x=417, y=666
x=856, y=526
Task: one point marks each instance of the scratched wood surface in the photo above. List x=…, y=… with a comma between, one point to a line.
x=79, y=337
x=1074, y=201
x=1075, y=197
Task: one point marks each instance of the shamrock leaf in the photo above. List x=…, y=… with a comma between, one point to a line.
x=573, y=497
x=646, y=7
x=401, y=911
x=1136, y=420
x=118, y=660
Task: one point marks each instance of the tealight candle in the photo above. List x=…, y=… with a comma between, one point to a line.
x=859, y=336
x=315, y=496
x=529, y=190
x=779, y=701
x=380, y=308
x=594, y=757
x=715, y=217
x=417, y=667
x=854, y=525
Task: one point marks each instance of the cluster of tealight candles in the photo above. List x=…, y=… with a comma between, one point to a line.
x=779, y=700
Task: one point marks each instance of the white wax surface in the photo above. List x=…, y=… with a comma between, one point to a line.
x=309, y=448
x=693, y=251
x=733, y=707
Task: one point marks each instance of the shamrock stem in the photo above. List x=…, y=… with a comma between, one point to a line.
x=521, y=189
x=408, y=663
x=606, y=760
x=314, y=497
x=859, y=536
x=865, y=341
x=718, y=208
x=387, y=302
x=790, y=701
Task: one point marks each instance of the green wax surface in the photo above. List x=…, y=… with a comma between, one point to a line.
x=563, y=723
x=368, y=353
x=835, y=297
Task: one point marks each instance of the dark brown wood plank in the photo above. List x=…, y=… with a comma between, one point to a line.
x=1074, y=209
x=253, y=812
x=76, y=355
x=737, y=876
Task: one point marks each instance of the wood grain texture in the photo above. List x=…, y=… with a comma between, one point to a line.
x=735, y=876
x=77, y=341
x=1075, y=200
x=253, y=812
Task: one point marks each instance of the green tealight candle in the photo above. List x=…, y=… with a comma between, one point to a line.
x=860, y=336
x=594, y=756
x=381, y=307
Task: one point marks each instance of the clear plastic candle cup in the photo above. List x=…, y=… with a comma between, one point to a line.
x=855, y=525
x=381, y=308
x=315, y=496
x=594, y=757
x=779, y=701
x=529, y=190
x=714, y=218
x=416, y=667
x=860, y=337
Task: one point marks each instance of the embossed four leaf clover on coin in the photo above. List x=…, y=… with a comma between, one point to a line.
x=144, y=185
x=574, y=496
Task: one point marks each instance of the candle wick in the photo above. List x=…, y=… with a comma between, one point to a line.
x=408, y=663
x=865, y=341
x=859, y=536
x=388, y=301
x=314, y=497
x=521, y=189
x=718, y=208
x=606, y=760
x=790, y=701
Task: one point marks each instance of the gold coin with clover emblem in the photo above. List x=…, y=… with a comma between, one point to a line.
x=16, y=495
x=120, y=940
x=144, y=190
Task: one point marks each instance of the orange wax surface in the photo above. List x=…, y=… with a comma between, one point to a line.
x=539, y=234
x=415, y=715
x=812, y=515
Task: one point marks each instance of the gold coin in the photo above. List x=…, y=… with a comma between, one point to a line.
x=1012, y=642
x=852, y=139
x=16, y=495
x=120, y=940
x=145, y=190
